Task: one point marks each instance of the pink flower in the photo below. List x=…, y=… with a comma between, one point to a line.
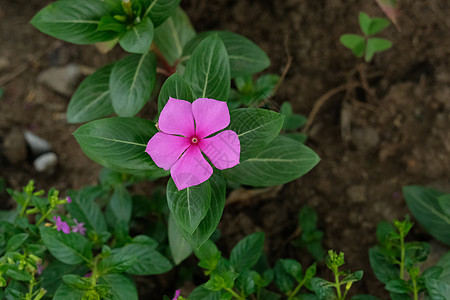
x=78, y=227
x=69, y=200
x=61, y=225
x=177, y=294
x=186, y=130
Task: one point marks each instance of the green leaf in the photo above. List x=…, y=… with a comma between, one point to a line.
x=323, y=289
x=307, y=219
x=364, y=297
x=375, y=45
x=247, y=252
x=246, y=282
x=121, y=204
x=77, y=282
x=357, y=276
x=92, y=99
x=444, y=262
x=293, y=268
x=149, y=260
x=116, y=263
x=384, y=232
x=119, y=144
x=209, y=255
x=364, y=22
x=398, y=286
x=255, y=128
x=209, y=223
x=438, y=290
x=208, y=70
x=159, y=10
x=176, y=87
x=121, y=287
x=84, y=209
x=16, y=241
x=173, y=34
x=425, y=207
x=246, y=58
x=202, y=293
x=282, y=161
x=131, y=83
x=283, y=279
x=65, y=292
x=190, y=205
x=15, y=273
x=377, y=25
x=74, y=21
x=110, y=23
x=52, y=274
x=384, y=270
x=138, y=38
x=70, y=248
x=355, y=43
x=179, y=248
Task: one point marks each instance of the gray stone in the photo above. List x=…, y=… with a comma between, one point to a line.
x=14, y=146
x=46, y=162
x=61, y=79
x=365, y=138
x=37, y=144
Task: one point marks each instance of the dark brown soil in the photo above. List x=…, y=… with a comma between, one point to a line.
x=374, y=139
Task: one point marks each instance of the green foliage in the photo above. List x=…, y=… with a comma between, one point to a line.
x=431, y=208
x=393, y=257
x=310, y=237
x=139, y=38
x=367, y=45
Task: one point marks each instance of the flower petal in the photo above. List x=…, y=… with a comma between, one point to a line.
x=166, y=149
x=191, y=169
x=223, y=149
x=176, y=118
x=210, y=116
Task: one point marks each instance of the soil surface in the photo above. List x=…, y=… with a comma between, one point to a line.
x=388, y=126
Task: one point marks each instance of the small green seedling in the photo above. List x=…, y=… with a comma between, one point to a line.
x=367, y=45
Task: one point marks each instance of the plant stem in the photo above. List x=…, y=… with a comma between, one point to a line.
x=338, y=285
x=44, y=216
x=236, y=295
x=25, y=205
x=402, y=256
x=415, y=290
x=298, y=287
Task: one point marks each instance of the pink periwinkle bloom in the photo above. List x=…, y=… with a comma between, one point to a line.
x=61, y=225
x=186, y=132
x=69, y=200
x=78, y=227
x=177, y=294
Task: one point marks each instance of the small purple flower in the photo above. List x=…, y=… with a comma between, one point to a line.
x=177, y=294
x=89, y=274
x=69, y=200
x=79, y=227
x=39, y=268
x=61, y=225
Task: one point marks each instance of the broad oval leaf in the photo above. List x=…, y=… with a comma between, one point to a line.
x=255, y=128
x=247, y=252
x=375, y=45
x=355, y=43
x=138, y=38
x=381, y=265
x=176, y=87
x=65, y=292
x=208, y=70
x=131, y=83
x=190, y=205
x=209, y=223
x=424, y=205
x=246, y=58
x=179, y=248
x=70, y=248
x=283, y=160
x=121, y=204
x=149, y=261
x=85, y=210
x=119, y=144
x=122, y=287
x=159, y=10
x=74, y=21
x=173, y=34
x=92, y=99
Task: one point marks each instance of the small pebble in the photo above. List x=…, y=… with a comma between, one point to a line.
x=46, y=162
x=14, y=146
x=37, y=144
x=61, y=79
